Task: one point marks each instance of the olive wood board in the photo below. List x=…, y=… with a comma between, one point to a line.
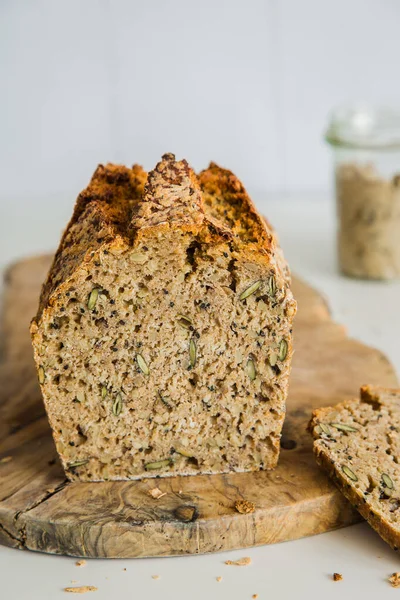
x=40, y=510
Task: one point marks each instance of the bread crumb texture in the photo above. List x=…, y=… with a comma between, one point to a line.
x=358, y=444
x=337, y=577
x=242, y=562
x=244, y=506
x=394, y=580
x=81, y=589
x=163, y=338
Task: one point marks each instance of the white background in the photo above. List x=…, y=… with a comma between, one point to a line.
x=247, y=83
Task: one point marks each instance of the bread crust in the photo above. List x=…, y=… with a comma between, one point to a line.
x=118, y=208
x=101, y=211
x=376, y=399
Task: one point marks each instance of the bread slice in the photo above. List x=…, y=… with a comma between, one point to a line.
x=358, y=444
x=163, y=339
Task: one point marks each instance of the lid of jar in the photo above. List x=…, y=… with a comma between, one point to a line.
x=364, y=127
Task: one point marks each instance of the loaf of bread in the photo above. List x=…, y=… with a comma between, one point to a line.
x=163, y=336
x=357, y=443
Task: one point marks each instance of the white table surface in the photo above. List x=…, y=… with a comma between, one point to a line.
x=299, y=569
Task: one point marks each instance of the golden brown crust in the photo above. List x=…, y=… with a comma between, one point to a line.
x=227, y=203
x=101, y=214
x=120, y=205
x=376, y=405
x=236, y=211
x=171, y=197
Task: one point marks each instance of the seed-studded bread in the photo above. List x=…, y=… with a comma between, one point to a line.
x=163, y=336
x=358, y=444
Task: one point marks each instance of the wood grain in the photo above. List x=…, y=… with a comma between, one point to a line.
x=39, y=510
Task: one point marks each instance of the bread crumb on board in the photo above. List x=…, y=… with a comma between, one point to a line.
x=242, y=562
x=5, y=459
x=156, y=493
x=81, y=589
x=255, y=596
x=80, y=563
x=245, y=507
x=155, y=577
x=337, y=577
x=394, y=580
x=219, y=579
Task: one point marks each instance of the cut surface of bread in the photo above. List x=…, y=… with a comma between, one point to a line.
x=163, y=337
x=357, y=442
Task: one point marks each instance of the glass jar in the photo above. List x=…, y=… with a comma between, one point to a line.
x=366, y=150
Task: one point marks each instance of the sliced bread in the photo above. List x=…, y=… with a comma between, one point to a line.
x=357, y=442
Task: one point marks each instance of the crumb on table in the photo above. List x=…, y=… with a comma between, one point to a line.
x=244, y=507
x=242, y=562
x=394, y=580
x=155, y=577
x=80, y=563
x=219, y=579
x=337, y=577
x=255, y=596
x=81, y=589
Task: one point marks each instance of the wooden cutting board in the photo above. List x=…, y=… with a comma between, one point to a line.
x=40, y=510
